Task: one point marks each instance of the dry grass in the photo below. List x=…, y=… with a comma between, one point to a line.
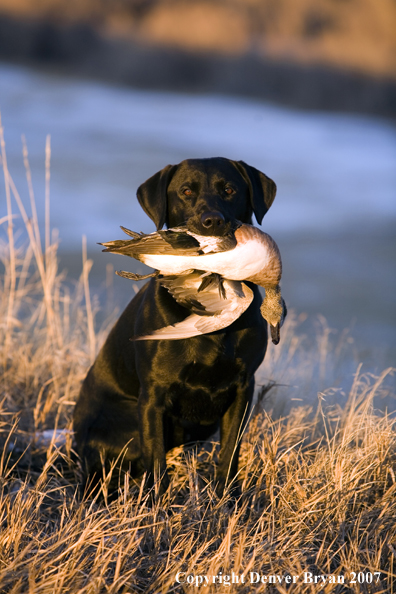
x=353, y=35
x=318, y=484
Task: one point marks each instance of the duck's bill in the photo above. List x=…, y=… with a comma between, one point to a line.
x=275, y=333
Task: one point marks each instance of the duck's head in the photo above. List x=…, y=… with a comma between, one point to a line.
x=274, y=310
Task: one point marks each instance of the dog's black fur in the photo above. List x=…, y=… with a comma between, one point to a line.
x=141, y=399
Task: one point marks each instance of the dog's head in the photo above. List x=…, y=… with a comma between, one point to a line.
x=207, y=195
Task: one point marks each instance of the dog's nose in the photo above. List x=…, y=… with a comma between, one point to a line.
x=212, y=221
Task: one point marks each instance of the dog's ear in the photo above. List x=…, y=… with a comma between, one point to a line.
x=152, y=195
x=261, y=188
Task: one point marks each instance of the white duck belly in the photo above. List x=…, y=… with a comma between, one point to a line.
x=240, y=263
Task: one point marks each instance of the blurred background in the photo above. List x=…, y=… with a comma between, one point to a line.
x=304, y=90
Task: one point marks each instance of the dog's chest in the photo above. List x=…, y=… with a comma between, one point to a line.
x=202, y=392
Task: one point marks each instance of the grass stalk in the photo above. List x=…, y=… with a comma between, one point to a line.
x=9, y=287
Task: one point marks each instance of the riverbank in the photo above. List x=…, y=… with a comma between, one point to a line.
x=83, y=50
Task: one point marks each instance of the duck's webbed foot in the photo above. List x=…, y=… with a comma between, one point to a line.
x=136, y=277
x=210, y=279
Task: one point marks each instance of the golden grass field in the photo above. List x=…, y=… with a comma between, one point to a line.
x=318, y=484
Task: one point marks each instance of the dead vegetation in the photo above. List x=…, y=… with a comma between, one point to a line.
x=349, y=34
x=318, y=484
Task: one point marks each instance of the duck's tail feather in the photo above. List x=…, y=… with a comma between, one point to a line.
x=132, y=233
x=116, y=246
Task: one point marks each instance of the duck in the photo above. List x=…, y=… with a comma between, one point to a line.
x=244, y=254
x=166, y=250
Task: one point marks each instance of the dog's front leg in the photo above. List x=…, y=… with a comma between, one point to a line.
x=231, y=430
x=151, y=417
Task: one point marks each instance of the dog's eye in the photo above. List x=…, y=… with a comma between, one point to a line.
x=187, y=192
x=228, y=190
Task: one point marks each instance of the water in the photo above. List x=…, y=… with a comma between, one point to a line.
x=331, y=170
x=334, y=215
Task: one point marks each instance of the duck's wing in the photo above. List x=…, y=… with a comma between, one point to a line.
x=211, y=311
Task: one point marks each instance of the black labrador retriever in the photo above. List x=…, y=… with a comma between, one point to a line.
x=141, y=399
